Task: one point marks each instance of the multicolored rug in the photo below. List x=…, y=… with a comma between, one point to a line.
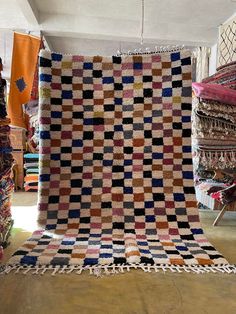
x=116, y=181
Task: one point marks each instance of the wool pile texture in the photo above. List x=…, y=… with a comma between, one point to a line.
x=116, y=179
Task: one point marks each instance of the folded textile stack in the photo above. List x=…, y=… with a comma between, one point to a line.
x=31, y=109
x=214, y=135
x=6, y=162
x=32, y=172
x=225, y=75
x=214, y=126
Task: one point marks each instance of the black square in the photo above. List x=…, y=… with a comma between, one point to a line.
x=177, y=125
x=186, y=133
x=106, y=205
x=97, y=73
x=78, y=115
x=189, y=190
x=66, y=150
x=147, y=134
x=65, y=163
x=147, y=78
x=147, y=92
x=118, y=225
x=88, y=135
x=127, y=120
x=138, y=100
x=158, y=197
x=109, y=107
x=53, y=199
x=76, y=169
x=128, y=150
x=87, y=94
x=118, y=182
x=147, y=161
x=139, y=211
x=108, y=135
x=76, y=183
x=56, y=101
x=176, y=84
x=171, y=218
x=75, y=198
x=183, y=224
x=97, y=156
x=117, y=168
x=147, y=174
x=66, y=79
x=116, y=60
x=157, y=141
x=55, y=127
x=84, y=220
x=118, y=86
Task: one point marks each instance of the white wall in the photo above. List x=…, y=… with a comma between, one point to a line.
x=213, y=60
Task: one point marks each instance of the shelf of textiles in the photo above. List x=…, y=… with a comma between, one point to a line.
x=18, y=143
x=6, y=163
x=214, y=138
x=31, y=165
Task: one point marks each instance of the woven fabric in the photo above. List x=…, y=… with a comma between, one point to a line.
x=116, y=180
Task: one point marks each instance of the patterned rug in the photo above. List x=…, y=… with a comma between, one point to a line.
x=116, y=180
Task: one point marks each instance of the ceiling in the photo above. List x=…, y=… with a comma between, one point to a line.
x=104, y=26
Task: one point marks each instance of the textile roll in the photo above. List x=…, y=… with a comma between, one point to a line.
x=24, y=60
x=116, y=181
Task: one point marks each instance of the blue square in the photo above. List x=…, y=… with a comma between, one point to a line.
x=75, y=213
x=128, y=162
x=157, y=182
x=66, y=94
x=187, y=174
x=44, y=177
x=167, y=92
x=179, y=197
x=108, y=80
x=45, y=77
x=45, y=135
x=118, y=101
x=56, y=57
x=128, y=190
x=86, y=191
x=127, y=79
x=55, y=156
x=128, y=175
x=77, y=143
x=175, y=56
x=138, y=66
x=88, y=66
x=187, y=149
x=150, y=218
x=56, y=114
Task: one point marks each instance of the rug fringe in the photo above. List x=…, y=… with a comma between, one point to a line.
x=101, y=270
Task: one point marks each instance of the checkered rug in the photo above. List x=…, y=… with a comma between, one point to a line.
x=116, y=181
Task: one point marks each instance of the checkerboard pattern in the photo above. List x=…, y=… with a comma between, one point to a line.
x=116, y=181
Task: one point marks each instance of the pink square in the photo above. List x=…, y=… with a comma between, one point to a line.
x=106, y=190
x=118, y=212
x=127, y=66
x=96, y=225
x=156, y=58
x=54, y=184
x=107, y=175
x=63, y=206
x=87, y=175
x=77, y=58
x=128, y=93
x=147, y=65
x=97, y=86
x=99, y=127
x=117, y=73
x=43, y=206
x=45, y=150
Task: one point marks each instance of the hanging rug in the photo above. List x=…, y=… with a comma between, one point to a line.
x=116, y=181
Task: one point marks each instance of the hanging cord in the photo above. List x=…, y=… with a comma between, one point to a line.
x=142, y=22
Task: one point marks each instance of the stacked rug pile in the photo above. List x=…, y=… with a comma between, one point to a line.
x=116, y=183
x=6, y=162
x=214, y=134
x=31, y=109
x=31, y=164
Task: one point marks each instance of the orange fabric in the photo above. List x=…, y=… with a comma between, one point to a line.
x=24, y=60
x=30, y=178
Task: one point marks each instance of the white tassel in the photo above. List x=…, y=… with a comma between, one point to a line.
x=56, y=269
